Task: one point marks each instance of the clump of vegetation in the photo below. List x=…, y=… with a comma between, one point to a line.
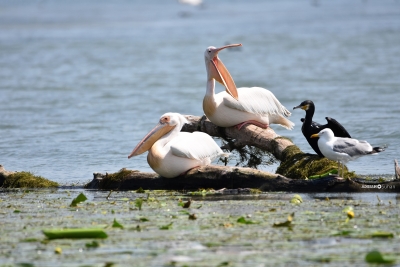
x=299, y=165
x=27, y=180
x=110, y=179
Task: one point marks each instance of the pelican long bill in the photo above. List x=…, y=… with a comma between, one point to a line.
x=148, y=141
x=221, y=74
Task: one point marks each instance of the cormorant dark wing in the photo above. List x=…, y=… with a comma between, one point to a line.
x=337, y=129
x=315, y=124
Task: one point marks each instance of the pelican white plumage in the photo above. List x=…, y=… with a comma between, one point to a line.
x=172, y=152
x=343, y=149
x=239, y=106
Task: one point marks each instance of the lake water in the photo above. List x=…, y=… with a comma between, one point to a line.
x=82, y=82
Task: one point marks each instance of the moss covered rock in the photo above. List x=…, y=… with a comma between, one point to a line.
x=298, y=165
x=25, y=180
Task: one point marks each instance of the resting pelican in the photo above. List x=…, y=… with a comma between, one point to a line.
x=343, y=149
x=246, y=105
x=172, y=152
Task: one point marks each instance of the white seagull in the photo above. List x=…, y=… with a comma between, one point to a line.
x=172, y=152
x=239, y=106
x=343, y=149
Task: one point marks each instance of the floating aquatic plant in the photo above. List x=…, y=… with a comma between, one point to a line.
x=243, y=220
x=287, y=223
x=376, y=257
x=75, y=233
x=80, y=198
x=296, y=199
x=117, y=224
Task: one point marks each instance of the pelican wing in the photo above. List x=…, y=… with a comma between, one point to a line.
x=196, y=145
x=256, y=100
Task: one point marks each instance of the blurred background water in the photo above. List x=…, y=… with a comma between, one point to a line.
x=81, y=82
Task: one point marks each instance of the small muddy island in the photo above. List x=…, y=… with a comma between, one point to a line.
x=298, y=171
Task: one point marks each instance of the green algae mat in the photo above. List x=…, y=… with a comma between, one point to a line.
x=77, y=227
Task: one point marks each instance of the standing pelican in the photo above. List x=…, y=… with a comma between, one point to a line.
x=172, y=152
x=246, y=105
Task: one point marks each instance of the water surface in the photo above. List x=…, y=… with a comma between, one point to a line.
x=81, y=83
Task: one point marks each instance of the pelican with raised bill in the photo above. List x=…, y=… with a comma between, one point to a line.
x=343, y=149
x=172, y=152
x=239, y=106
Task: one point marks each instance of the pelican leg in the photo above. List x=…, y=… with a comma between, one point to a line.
x=256, y=123
x=184, y=173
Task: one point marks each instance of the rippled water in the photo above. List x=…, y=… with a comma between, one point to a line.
x=82, y=82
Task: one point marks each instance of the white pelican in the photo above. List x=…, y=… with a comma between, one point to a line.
x=172, y=152
x=246, y=105
x=343, y=149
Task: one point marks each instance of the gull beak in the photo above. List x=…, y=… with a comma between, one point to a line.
x=314, y=136
x=148, y=141
x=221, y=74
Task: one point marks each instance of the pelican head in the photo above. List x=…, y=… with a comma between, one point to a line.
x=166, y=124
x=217, y=70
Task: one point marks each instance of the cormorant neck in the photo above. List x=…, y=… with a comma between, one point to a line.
x=310, y=113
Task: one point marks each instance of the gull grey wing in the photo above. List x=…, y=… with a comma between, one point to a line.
x=352, y=147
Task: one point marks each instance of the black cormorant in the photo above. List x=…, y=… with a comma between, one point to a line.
x=311, y=127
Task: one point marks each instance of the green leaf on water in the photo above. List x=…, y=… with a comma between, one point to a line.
x=376, y=257
x=296, y=199
x=382, y=234
x=75, y=233
x=143, y=219
x=333, y=171
x=244, y=221
x=117, y=224
x=93, y=244
x=30, y=240
x=287, y=223
x=185, y=212
x=80, y=198
x=139, y=203
x=166, y=227
x=140, y=190
x=343, y=233
x=17, y=211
